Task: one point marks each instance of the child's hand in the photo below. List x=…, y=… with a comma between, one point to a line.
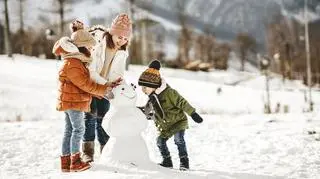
x=196, y=117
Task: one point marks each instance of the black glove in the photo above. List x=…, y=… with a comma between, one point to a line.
x=195, y=116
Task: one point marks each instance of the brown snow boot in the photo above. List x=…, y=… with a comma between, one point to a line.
x=65, y=163
x=88, y=151
x=77, y=165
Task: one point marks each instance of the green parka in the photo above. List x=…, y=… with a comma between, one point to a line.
x=174, y=107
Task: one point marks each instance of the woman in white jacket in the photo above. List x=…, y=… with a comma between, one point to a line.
x=109, y=61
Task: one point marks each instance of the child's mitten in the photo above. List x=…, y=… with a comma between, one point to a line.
x=196, y=117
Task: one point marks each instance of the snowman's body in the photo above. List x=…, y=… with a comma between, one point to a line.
x=125, y=127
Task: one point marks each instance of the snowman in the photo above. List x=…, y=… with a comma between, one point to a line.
x=125, y=127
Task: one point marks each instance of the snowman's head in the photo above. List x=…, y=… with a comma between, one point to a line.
x=124, y=95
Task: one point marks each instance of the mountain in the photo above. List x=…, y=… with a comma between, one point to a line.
x=226, y=18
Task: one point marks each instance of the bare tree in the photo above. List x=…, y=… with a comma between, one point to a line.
x=7, y=30
x=283, y=38
x=21, y=16
x=288, y=40
x=244, y=44
x=210, y=44
x=60, y=9
x=221, y=56
x=61, y=13
x=185, y=38
x=21, y=34
x=184, y=45
x=204, y=47
x=2, y=48
x=134, y=31
x=200, y=48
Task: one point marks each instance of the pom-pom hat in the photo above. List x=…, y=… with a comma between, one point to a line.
x=121, y=26
x=79, y=36
x=151, y=76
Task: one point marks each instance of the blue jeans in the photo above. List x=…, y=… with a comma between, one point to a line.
x=93, y=121
x=178, y=140
x=73, y=131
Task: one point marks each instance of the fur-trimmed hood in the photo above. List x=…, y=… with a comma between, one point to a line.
x=162, y=87
x=66, y=49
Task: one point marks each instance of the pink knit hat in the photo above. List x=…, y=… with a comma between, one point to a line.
x=121, y=26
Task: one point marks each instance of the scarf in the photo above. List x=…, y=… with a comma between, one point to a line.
x=108, y=59
x=79, y=56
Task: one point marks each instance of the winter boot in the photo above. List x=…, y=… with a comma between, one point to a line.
x=77, y=165
x=101, y=148
x=65, y=163
x=88, y=151
x=184, y=163
x=166, y=162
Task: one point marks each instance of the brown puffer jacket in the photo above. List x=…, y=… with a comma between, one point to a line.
x=76, y=88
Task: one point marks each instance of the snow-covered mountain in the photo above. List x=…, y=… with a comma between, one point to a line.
x=225, y=18
x=295, y=10
x=228, y=17
x=41, y=14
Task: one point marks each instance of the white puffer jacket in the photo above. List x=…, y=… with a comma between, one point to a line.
x=117, y=68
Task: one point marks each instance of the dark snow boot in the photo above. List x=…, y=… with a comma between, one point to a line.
x=87, y=151
x=166, y=162
x=184, y=163
x=101, y=148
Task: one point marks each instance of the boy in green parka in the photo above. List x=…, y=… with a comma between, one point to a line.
x=170, y=118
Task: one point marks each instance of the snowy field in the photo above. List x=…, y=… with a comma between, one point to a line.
x=235, y=141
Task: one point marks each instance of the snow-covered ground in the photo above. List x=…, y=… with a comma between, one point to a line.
x=236, y=140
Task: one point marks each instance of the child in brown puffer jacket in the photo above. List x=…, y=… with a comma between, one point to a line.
x=75, y=92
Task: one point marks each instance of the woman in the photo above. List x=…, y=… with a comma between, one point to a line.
x=109, y=61
x=75, y=92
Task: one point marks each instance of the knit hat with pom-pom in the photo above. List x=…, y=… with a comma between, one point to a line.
x=79, y=36
x=151, y=76
x=121, y=26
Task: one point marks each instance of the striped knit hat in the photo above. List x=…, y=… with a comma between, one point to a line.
x=151, y=76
